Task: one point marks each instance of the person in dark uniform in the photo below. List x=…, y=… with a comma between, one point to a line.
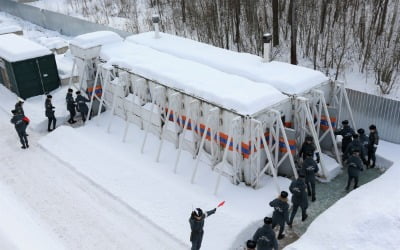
x=50, y=113
x=20, y=127
x=354, y=166
x=355, y=144
x=308, y=146
x=280, y=216
x=196, y=222
x=309, y=169
x=19, y=107
x=71, y=106
x=81, y=105
x=299, y=198
x=347, y=133
x=364, y=141
x=265, y=236
x=372, y=145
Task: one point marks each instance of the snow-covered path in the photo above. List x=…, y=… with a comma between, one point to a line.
x=80, y=214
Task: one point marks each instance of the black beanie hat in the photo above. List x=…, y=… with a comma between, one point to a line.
x=284, y=194
x=372, y=126
x=345, y=122
x=251, y=244
x=355, y=136
x=70, y=90
x=268, y=220
x=361, y=131
x=49, y=96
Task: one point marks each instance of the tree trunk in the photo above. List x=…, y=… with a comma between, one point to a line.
x=293, y=33
x=275, y=22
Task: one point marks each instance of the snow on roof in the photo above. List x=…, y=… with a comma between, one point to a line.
x=14, y=48
x=287, y=78
x=52, y=42
x=4, y=29
x=228, y=91
x=93, y=39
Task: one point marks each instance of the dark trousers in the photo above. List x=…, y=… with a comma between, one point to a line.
x=345, y=143
x=72, y=114
x=84, y=115
x=294, y=211
x=52, y=120
x=196, y=239
x=311, y=188
x=281, y=226
x=371, y=156
x=355, y=181
x=22, y=137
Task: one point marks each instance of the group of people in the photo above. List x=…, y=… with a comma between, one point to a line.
x=73, y=105
x=358, y=150
x=21, y=122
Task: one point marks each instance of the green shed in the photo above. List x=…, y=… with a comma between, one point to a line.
x=27, y=68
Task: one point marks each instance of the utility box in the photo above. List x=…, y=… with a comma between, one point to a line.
x=27, y=68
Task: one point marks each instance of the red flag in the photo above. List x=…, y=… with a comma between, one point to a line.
x=221, y=204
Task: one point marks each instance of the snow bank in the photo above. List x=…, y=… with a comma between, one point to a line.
x=19, y=227
x=10, y=28
x=14, y=48
x=228, y=91
x=93, y=39
x=367, y=218
x=52, y=42
x=287, y=78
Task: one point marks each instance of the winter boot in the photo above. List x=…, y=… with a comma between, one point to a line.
x=281, y=236
x=304, y=218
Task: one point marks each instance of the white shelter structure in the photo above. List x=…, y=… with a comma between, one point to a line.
x=230, y=122
x=323, y=98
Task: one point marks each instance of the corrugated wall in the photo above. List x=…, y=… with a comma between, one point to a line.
x=371, y=109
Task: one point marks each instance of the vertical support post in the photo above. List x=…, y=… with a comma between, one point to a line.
x=156, y=90
x=94, y=90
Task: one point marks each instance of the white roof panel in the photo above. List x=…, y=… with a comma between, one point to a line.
x=290, y=79
x=226, y=90
x=14, y=48
x=93, y=39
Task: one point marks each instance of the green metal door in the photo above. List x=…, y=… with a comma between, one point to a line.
x=49, y=73
x=27, y=78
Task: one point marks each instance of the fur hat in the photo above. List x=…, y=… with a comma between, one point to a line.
x=70, y=90
x=13, y=111
x=345, y=122
x=372, y=126
x=49, y=96
x=251, y=244
x=355, y=136
x=309, y=138
x=284, y=194
x=361, y=131
x=78, y=92
x=268, y=220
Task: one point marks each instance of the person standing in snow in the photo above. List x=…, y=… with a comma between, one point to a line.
x=50, y=113
x=308, y=147
x=355, y=144
x=364, y=141
x=299, y=198
x=19, y=107
x=265, y=236
x=372, y=145
x=20, y=127
x=196, y=222
x=354, y=166
x=347, y=133
x=280, y=216
x=81, y=105
x=71, y=106
x=310, y=168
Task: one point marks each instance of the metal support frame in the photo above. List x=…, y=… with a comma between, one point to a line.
x=234, y=135
x=340, y=94
x=157, y=92
x=174, y=103
x=192, y=116
x=304, y=124
x=318, y=109
x=213, y=116
x=273, y=123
